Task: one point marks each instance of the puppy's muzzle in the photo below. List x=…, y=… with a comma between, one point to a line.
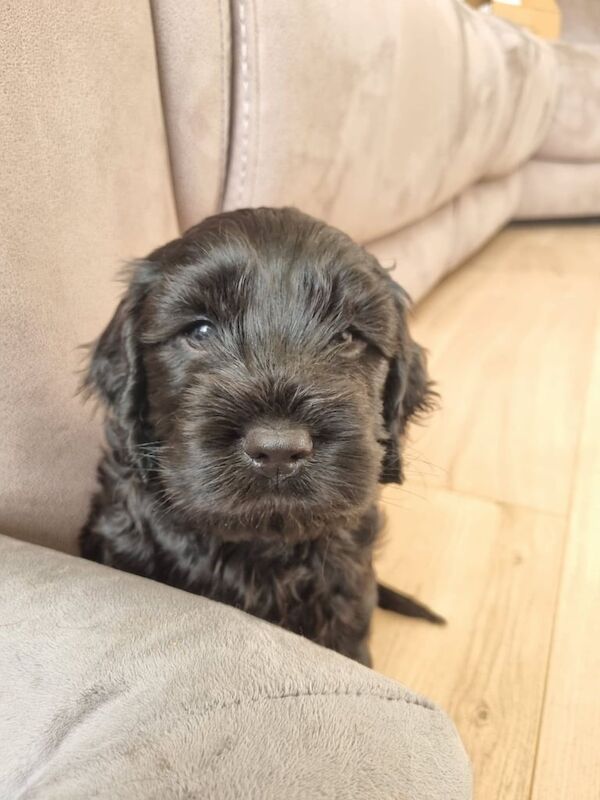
x=277, y=449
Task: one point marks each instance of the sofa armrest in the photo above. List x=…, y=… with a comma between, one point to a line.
x=115, y=686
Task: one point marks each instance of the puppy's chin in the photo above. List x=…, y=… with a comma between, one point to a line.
x=269, y=519
x=287, y=522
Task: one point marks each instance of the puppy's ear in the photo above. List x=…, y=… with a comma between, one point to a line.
x=407, y=393
x=116, y=376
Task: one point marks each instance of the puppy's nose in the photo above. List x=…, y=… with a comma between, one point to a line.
x=277, y=449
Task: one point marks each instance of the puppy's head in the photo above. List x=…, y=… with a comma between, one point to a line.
x=259, y=375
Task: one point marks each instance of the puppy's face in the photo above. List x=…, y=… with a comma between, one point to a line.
x=260, y=373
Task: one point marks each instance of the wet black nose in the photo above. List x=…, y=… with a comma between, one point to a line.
x=277, y=449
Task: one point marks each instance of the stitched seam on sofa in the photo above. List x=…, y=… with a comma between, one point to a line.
x=245, y=96
x=162, y=91
x=225, y=118
x=256, y=120
x=209, y=709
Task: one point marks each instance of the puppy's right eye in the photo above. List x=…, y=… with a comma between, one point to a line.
x=201, y=330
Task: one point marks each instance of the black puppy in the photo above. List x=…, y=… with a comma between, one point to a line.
x=258, y=377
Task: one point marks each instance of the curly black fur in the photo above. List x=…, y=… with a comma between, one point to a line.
x=303, y=326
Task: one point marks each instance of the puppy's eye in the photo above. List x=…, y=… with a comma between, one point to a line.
x=349, y=342
x=345, y=337
x=200, y=330
x=349, y=337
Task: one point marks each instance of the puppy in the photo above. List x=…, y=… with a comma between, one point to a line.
x=258, y=377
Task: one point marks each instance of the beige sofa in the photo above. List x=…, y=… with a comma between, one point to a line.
x=420, y=127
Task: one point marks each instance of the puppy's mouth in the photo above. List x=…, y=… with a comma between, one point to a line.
x=288, y=481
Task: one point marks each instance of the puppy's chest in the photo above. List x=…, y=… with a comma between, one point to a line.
x=298, y=587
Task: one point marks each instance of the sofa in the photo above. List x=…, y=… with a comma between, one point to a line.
x=420, y=128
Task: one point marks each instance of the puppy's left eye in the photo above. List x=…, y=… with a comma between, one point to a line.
x=345, y=337
x=200, y=330
x=350, y=340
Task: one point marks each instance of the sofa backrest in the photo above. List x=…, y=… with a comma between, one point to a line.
x=85, y=184
x=373, y=114
x=580, y=21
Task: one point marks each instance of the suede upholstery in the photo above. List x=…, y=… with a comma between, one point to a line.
x=449, y=235
x=85, y=184
x=130, y=689
x=580, y=185
x=365, y=150
x=574, y=134
x=193, y=43
x=580, y=21
x=562, y=180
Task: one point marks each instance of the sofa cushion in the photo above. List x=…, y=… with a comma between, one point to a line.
x=114, y=686
x=420, y=254
x=574, y=134
x=85, y=184
x=193, y=44
x=559, y=190
x=372, y=115
x=580, y=20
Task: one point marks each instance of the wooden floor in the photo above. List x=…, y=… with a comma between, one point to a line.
x=498, y=526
